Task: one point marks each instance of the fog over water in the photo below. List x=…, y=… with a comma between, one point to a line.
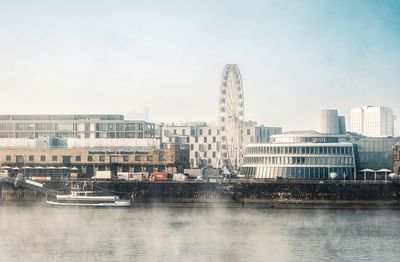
x=30, y=233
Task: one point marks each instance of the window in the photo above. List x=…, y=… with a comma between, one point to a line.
x=248, y=132
x=78, y=158
x=201, y=132
x=209, y=132
x=66, y=159
x=205, y=139
x=196, y=140
x=31, y=158
x=126, y=158
x=214, y=139
x=191, y=147
x=183, y=132
x=42, y=158
x=89, y=158
x=149, y=158
x=102, y=158
x=8, y=158
x=214, y=154
x=209, y=146
x=54, y=158
x=137, y=158
x=205, y=154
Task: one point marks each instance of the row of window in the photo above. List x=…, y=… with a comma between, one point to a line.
x=299, y=150
x=192, y=132
x=187, y=139
x=284, y=139
x=32, y=135
x=119, y=134
x=298, y=172
x=73, y=126
x=67, y=159
x=201, y=162
x=298, y=160
x=205, y=154
x=121, y=127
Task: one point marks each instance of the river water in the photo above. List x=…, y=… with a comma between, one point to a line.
x=38, y=233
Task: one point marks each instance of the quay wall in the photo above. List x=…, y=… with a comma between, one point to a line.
x=319, y=192
x=229, y=192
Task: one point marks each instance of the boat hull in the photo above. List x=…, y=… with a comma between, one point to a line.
x=119, y=203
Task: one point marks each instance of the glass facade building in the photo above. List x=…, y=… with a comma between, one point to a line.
x=300, y=155
x=74, y=126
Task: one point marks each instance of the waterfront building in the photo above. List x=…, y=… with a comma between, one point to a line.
x=300, y=155
x=88, y=143
x=39, y=161
x=74, y=126
x=373, y=152
x=373, y=121
x=204, y=139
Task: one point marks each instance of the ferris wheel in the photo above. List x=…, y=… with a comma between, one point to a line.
x=231, y=117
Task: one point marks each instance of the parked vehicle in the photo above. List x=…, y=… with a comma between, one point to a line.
x=161, y=176
x=131, y=176
x=179, y=177
x=102, y=175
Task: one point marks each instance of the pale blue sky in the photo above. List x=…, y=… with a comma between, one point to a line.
x=115, y=56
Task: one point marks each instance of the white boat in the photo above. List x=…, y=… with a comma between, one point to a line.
x=82, y=198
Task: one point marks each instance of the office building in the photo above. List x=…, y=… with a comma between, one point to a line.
x=373, y=121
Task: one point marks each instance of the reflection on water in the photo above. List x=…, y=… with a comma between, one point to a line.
x=196, y=234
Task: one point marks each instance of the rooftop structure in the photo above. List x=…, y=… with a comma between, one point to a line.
x=331, y=123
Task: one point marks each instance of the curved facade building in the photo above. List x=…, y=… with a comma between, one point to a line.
x=300, y=155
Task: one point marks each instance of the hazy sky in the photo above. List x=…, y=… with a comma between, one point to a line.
x=295, y=57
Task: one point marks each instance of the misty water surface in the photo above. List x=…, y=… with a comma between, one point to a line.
x=197, y=234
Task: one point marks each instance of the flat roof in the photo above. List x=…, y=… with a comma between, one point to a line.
x=62, y=117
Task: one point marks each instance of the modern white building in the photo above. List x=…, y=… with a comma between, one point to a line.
x=204, y=139
x=300, y=155
x=373, y=121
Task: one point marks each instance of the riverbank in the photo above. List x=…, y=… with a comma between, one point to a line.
x=270, y=194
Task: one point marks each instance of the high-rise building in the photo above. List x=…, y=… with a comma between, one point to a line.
x=373, y=121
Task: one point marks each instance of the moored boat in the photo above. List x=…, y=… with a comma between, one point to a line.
x=82, y=198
